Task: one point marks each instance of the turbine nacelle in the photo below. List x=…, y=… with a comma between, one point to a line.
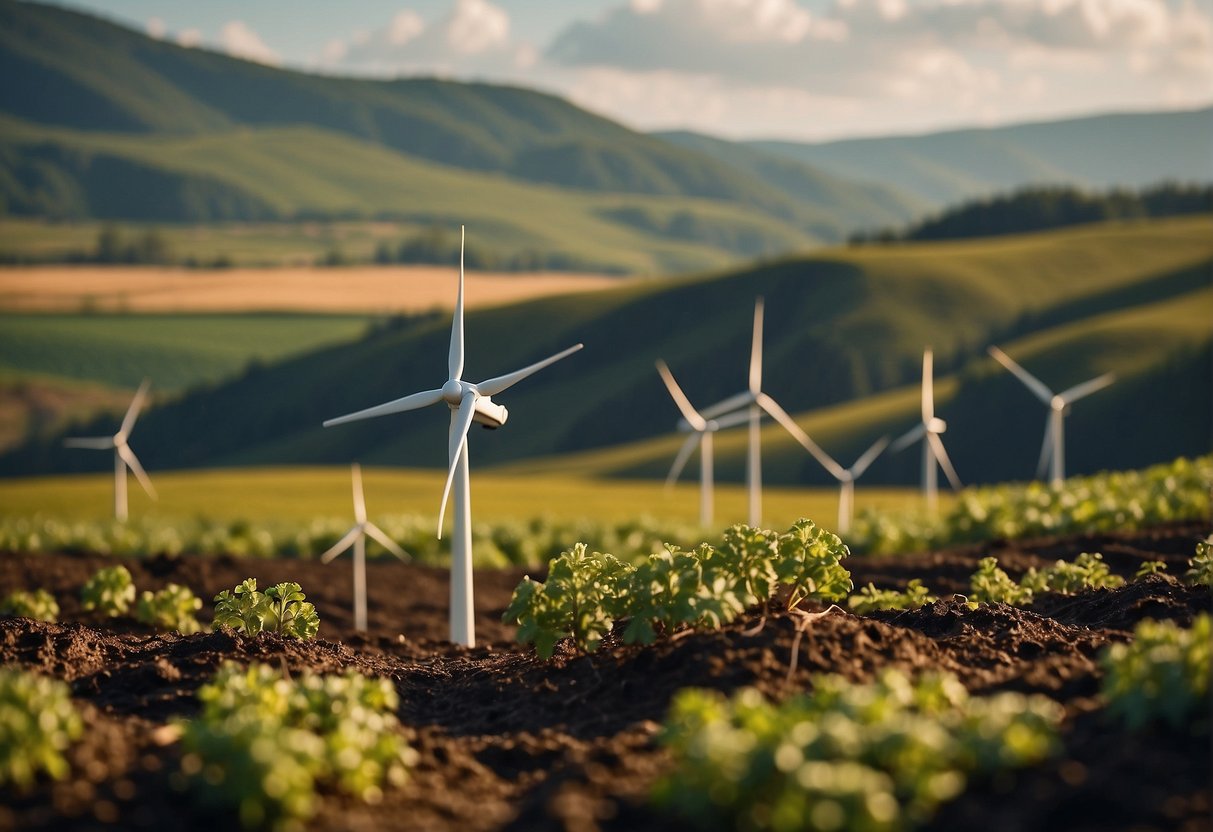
x=936, y=425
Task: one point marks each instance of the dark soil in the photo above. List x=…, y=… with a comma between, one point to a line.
x=509, y=742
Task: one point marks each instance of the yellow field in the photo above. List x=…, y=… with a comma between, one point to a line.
x=376, y=290
x=285, y=494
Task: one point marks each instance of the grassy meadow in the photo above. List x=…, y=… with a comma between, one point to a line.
x=261, y=495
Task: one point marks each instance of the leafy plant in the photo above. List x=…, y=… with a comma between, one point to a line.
x=37, y=724
x=110, y=591
x=577, y=600
x=990, y=583
x=810, y=560
x=39, y=605
x=1200, y=572
x=1162, y=675
x=875, y=757
x=871, y=599
x=171, y=608
x=1087, y=571
x=1149, y=567
x=263, y=742
x=282, y=608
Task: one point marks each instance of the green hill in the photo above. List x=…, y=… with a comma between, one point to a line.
x=71, y=71
x=1118, y=150
x=844, y=330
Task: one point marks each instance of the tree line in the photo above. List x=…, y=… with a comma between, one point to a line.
x=1037, y=208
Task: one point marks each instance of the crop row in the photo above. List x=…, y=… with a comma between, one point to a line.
x=706, y=587
x=884, y=756
x=844, y=757
x=1110, y=501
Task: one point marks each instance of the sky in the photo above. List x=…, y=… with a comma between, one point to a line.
x=796, y=69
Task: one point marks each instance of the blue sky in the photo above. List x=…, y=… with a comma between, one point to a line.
x=807, y=69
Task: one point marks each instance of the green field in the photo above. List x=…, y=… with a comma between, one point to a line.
x=176, y=351
x=261, y=495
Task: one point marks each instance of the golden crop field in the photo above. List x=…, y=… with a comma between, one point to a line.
x=369, y=289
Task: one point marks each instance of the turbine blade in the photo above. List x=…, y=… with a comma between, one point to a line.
x=727, y=405
x=1030, y=381
x=756, y=350
x=100, y=443
x=908, y=438
x=928, y=386
x=386, y=542
x=1046, y=448
x=680, y=459
x=342, y=544
x=941, y=455
x=132, y=412
x=410, y=402
x=454, y=362
x=359, y=500
x=684, y=404
x=869, y=456
x=128, y=456
x=729, y=420
x=493, y=386
x=1079, y=391
x=789, y=424
x=461, y=423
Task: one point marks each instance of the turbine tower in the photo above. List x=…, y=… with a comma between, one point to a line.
x=1053, y=448
x=124, y=457
x=846, y=479
x=701, y=434
x=357, y=538
x=753, y=402
x=929, y=430
x=468, y=403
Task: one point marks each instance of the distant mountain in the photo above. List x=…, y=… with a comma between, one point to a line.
x=1129, y=150
x=71, y=71
x=844, y=334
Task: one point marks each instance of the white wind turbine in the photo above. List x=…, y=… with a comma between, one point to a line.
x=468, y=403
x=701, y=434
x=1053, y=447
x=846, y=479
x=357, y=538
x=929, y=430
x=124, y=457
x=752, y=402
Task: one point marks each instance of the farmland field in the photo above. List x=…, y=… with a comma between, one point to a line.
x=365, y=290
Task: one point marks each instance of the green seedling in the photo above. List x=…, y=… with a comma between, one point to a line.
x=39, y=605
x=280, y=609
x=1160, y=676
x=871, y=599
x=172, y=608
x=109, y=592
x=37, y=724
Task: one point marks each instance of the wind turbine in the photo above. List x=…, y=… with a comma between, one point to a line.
x=929, y=430
x=753, y=402
x=468, y=403
x=357, y=537
x=1053, y=447
x=701, y=434
x=124, y=457
x=846, y=479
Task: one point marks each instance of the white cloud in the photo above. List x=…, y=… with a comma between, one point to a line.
x=156, y=28
x=472, y=39
x=240, y=41
x=189, y=37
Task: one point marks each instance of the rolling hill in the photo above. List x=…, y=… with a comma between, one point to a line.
x=75, y=74
x=1126, y=150
x=844, y=334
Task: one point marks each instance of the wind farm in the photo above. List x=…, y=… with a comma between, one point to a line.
x=704, y=574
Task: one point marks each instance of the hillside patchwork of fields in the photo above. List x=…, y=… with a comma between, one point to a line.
x=840, y=328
